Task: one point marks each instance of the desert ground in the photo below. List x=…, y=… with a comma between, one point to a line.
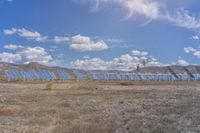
x=100, y=107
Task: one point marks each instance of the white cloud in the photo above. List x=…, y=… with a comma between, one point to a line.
x=182, y=62
x=195, y=37
x=13, y=46
x=10, y=57
x=30, y=54
x=183, y=18
x=26, y=34
x=10, y=32
x=115, y=40
x=35, y=54
x=90, y=64
x=143, y=58
x=84, y=43
x=59, y=39
x=124, y=62
x=197, y=54
x=189, y=49
x=139, y=53
x=148, y=8
x=153, y=10
x=192, y=50
x=154, y=62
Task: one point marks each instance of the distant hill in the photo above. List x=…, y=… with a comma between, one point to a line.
x=174, y=70
x=166, y=69
x=151, y=69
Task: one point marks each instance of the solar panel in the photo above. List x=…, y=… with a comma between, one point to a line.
x=134, y=77
x=125, y=75
x=99, y=75
x=32, y=74
x=44, y=74
x=9, y=75
x=79, y=75
x=183, y=77
x=196, y=76
x=63, y=75
x=143, y=77
x=113, y=76
x=13, y=74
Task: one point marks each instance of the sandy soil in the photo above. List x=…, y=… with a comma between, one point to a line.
x=97, y=107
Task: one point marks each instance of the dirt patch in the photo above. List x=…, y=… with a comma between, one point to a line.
x=11, y=110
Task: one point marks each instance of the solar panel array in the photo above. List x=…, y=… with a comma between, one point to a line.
x=62, y=74
x=80, y=75
x=40, y=74
x=130, y=76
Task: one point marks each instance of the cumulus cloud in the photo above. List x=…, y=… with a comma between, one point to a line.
x=195, y=37
x=28, y=54
x=189, y=49
x=124, y=62
x=84, y=43
x=35, y=54
x=26, y=34
x=10, y=57
x=59, y=39
x=182, y=62
x=78, y=42
x=197, y=54
x=13, y=46
x=10, y=31
x=154, y=62
x=139, y=53
x=192, y=50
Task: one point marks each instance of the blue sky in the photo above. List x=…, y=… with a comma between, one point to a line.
x=100, y=34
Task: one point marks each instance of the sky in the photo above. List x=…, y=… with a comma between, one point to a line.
x=100, y=34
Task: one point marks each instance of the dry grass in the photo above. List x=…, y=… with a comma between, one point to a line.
x=49, y=86
x=93, y=107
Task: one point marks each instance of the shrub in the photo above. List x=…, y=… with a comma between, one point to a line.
x=72, y=75
x=17, y=79
x=74, y=78
x=4, y=78
x=88, y=77
x=58, y=79
x=126, y=83
x=49, y=86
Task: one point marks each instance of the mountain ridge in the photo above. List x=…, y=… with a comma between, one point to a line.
x=174, y=70
x=149, y=69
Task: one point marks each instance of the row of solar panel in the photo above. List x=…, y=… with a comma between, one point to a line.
x=44, y=74
x=156, y=77
x=41, y=74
